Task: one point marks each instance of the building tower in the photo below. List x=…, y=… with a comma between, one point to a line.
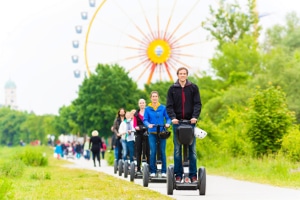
x=10, y=95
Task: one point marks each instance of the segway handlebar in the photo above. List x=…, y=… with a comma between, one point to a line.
x=184, y=121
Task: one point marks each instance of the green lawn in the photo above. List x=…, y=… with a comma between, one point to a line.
x=57, y=182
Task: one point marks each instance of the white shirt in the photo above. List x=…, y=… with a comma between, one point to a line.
x=123, y=129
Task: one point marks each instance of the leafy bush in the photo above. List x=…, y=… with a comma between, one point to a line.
x=6, y=189
x=40, y=175
x=269, y=120
x=291, y=145
x=234, y=138
x=33, y=156
x=13, y=168
x=109, y=157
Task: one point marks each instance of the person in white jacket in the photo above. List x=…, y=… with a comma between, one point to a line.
x=127, y=130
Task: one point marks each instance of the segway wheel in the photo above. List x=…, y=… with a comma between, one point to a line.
x=132, y=171
x=120, y=167
x=170, y=180
x=146, y=175
x=126, y=169
x=202, y=180
x=115, y=166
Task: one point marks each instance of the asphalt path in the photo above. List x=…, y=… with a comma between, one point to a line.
x=217, y=187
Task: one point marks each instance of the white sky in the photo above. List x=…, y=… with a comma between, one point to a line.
x=36, y=44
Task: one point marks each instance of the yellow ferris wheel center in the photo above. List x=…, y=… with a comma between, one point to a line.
x=159, y=51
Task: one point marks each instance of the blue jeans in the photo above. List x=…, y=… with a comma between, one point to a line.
x=178, y=169
x=130, y=149
x=152, y=144
x=116, y=152
x=124, y=147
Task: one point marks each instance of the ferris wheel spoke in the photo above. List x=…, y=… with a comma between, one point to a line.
x=189, y=44
x=138, y=65
x=157, y=18
x=183, y=20
x=153, y=67
x=168, y=71
x=116, y=28
x=186, y=34
x=172, y=64
x=147, y=22
x=131, y=20
x=128, y=58
x=117, y=46
x=144, y=71
x=182, y=63
x=169, y=20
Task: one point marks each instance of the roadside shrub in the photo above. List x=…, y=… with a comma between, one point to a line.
x=109, y=157
x=6, y=189
x=40, y=175
x=33, y=156
x=269, y=120
x=291, y=145
x=234, y=127
x=13, y=168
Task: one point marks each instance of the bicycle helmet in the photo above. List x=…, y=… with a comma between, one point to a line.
x=199, y=133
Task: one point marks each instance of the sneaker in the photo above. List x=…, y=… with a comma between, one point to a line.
x=164, y=175
x=194, y=179
x=152, y=175
x=187, y=180
x=178, y=179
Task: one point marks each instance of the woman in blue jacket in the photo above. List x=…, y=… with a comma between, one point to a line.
x=156, y=114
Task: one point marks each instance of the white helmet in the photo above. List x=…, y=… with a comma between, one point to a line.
x=199, y=133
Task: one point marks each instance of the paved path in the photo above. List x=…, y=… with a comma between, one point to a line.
x=217, y=188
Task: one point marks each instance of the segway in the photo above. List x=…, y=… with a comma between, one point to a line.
x=158, y=176
x=133, y=167
x=185, y=137
x=115, y=166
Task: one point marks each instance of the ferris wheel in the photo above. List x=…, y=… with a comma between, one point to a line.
x=150, y=39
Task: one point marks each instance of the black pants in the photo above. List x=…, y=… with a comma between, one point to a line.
x=142, y=149
x=120, y=148
x=96, y=154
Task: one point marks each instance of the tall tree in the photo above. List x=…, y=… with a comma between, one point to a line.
x=229, y=23
x=101, y=95
x=236, y=32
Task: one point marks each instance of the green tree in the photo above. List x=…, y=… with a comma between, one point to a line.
x=285, y=36
x=269, y=120
x=10, y=123
x=101, y=95
x=229, y=23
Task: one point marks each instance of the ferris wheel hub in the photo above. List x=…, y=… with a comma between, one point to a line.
x=159, y=51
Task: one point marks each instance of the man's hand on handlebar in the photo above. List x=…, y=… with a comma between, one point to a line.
x=175, y=121
x=193, y=121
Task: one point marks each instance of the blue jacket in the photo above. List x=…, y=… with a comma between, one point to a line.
x=156, y=117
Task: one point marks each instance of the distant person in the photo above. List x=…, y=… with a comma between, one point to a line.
x=58, y=150
x=117, y=122
x=95, y=146
x=78, y=150
x=22, y=143
x=86, y=149
x=103, y=149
